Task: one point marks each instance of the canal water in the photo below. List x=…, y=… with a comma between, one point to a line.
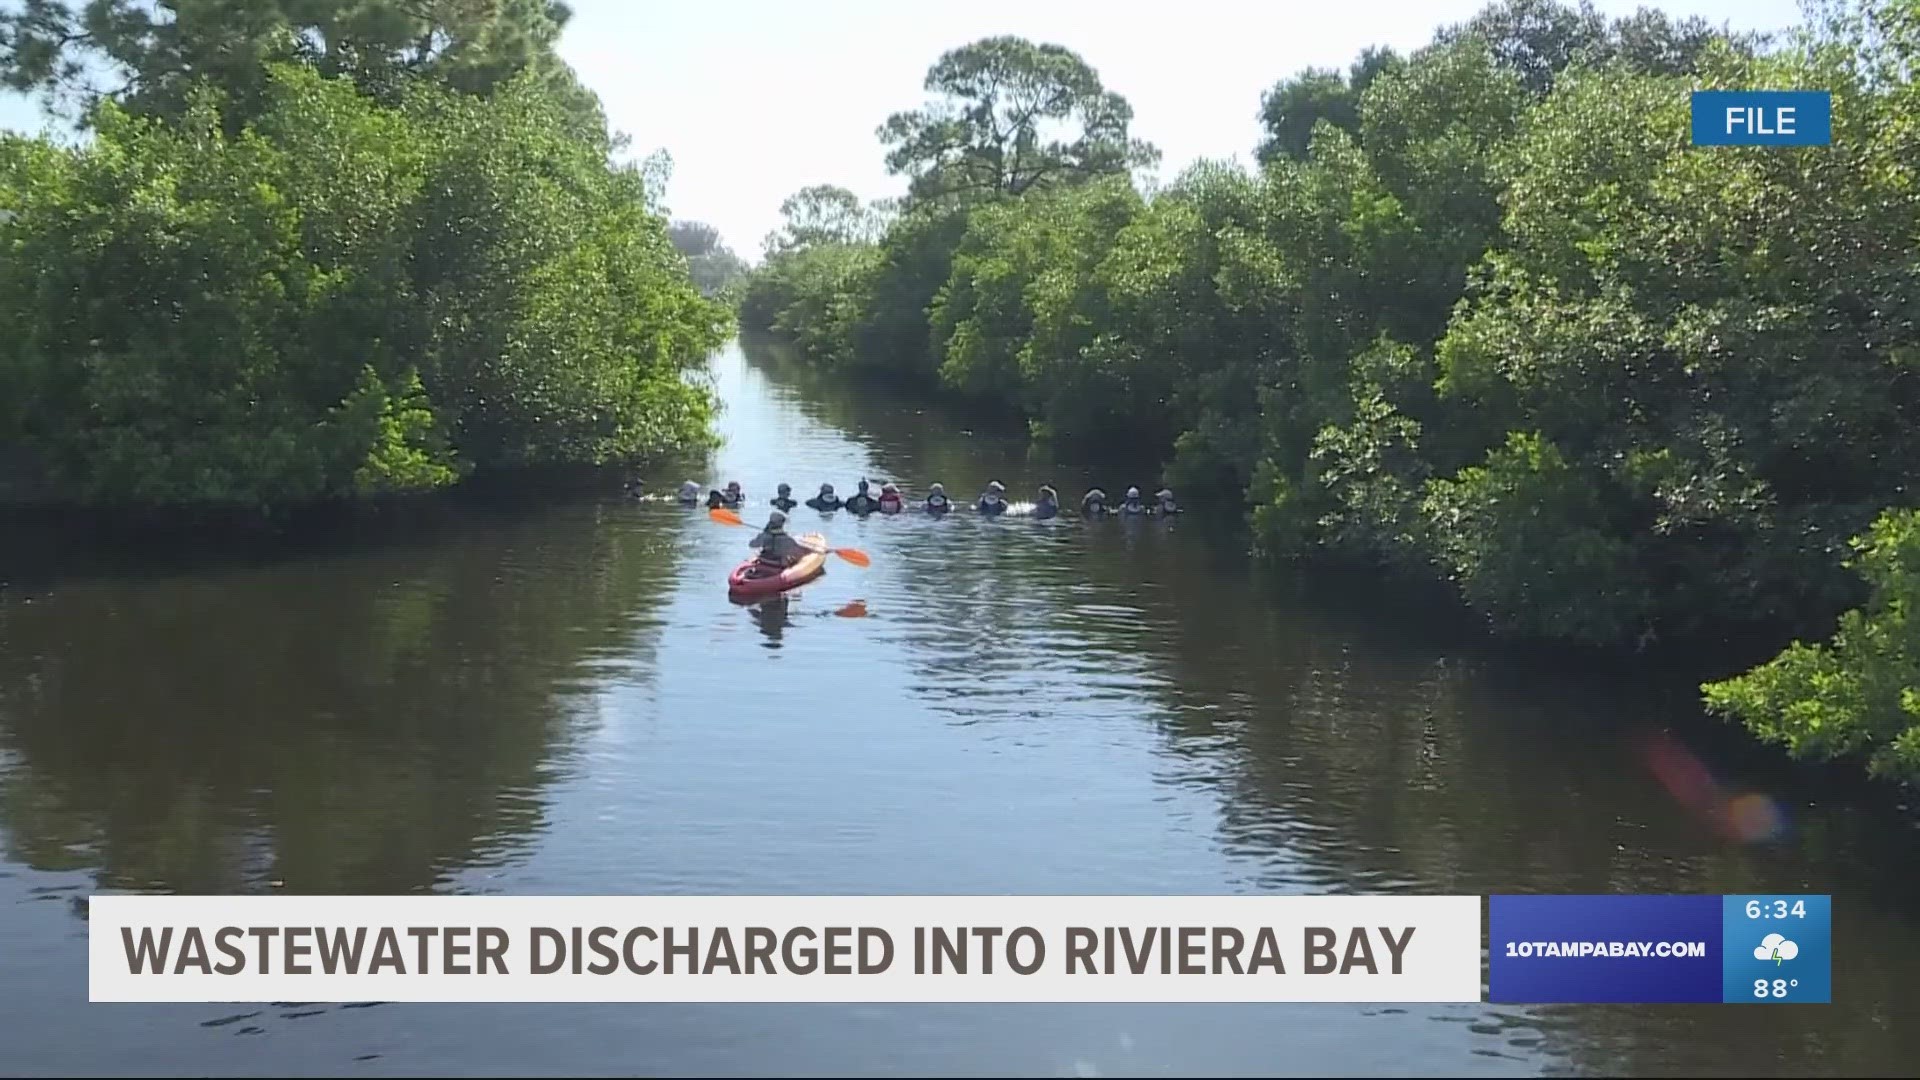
x=559, y=698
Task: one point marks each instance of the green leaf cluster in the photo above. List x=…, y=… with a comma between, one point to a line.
x=339, y=296
x=1484, y=314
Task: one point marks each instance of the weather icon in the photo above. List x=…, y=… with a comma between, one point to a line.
x=1777, y=948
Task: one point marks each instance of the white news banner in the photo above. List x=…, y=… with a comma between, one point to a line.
x=785, y=948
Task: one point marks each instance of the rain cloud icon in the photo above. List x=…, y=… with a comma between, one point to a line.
x=1776, y=947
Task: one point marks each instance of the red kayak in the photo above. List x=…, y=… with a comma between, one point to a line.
x=752, y=579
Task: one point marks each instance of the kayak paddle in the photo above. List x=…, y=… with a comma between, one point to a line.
x=852, y=555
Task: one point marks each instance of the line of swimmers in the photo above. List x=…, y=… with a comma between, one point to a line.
x=992, y=502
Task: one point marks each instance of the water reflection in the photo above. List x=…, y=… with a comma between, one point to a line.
x=772, y=617
x=360, y=723
x=1356, y=739
x=562, y=700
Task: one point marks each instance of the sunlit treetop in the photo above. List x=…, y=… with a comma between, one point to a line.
x=148, y=54
x=1008, y=116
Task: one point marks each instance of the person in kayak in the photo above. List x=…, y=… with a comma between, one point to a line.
x=689, y=493
x=1132, y=504
x=826, y=500
x=777, y=549
x=937, y=501
x=783, y=498
x=1163, y=502
x=1048, y=504
x=1093, y=503
x=862, y=501
x=890, y=500
x=992, y=503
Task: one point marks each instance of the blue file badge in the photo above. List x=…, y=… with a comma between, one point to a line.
x=1660, y=949
x=1762, y=117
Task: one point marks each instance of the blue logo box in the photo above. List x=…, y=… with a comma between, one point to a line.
x=1762, y=118
x=1747, y=949
x=1605, y=949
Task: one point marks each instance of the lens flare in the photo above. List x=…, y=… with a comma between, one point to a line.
x=1750, y=817
x=1754, y=818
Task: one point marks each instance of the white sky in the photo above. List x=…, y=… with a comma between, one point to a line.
x=755, y=99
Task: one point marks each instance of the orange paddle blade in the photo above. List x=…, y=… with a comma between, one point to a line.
x=725, y=517
x=854, y=556
x=855, y=610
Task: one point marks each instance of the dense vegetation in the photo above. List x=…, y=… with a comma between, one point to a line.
x=1483, y=312
x=713, y=265
x=323, y=249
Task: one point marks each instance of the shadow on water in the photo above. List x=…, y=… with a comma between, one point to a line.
x=358, y=719
x=1357, y=738
x=1406, y=762
x=773, y=617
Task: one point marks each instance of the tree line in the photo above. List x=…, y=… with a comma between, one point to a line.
x=1482, y=313
x=312, y=249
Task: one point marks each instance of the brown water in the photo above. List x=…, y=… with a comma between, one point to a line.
x=559, y=699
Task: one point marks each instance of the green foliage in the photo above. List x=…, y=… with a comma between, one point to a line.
x=561, y=316
x=1484, y=312
x=1716, y=335
x=851, y=302
x=341, y=298
x=1013, y=294
x=1373, y=468
x=404, y=449
x=825, y=284
x=1529, y=541
x=824, y=214
x=158, y=52
x=1294, y=107
x=710, y=262
x=1536, y=40
x=1292, y=110
x=1856, y=698
x=1011, y=117
x=895, y=300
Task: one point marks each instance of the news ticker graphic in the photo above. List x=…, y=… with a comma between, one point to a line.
x=1773, y=949
x=784, y=948
x=1541, y=949
x=1762, y=117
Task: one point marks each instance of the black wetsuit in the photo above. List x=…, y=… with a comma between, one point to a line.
x=782, y=503
x=862, y=504
x=819, y=502
x=1135, y=508
x=1046, y=509
x=991, y=509
x=945, y=504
